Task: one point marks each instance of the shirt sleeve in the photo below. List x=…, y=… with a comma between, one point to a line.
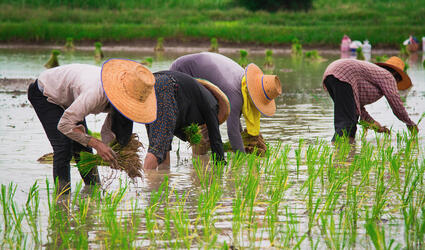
x=107, y=135
x=234, y=132
x=389, y=89
x=79, y=109
x=364, y=115
x=160, y=132
x=234, y=122
x=211, y=119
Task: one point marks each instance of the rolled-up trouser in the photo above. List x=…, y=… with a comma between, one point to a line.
x=345, y=114
x=64, y=148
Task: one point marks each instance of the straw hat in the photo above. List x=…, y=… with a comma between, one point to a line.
x=223, y=101
x=129, y=86
x=263, y=89
x=398, y=65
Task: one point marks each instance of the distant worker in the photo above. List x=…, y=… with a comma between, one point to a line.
x=250, y=93
x=352, y=84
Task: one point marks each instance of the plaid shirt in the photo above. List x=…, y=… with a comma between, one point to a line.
x=369, y=83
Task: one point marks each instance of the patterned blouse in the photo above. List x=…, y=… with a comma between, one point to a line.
x=369, y=83
x=160, y=132
x=181, y=101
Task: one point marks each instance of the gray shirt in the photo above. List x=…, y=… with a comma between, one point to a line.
x=77, y=88
x=225, y=74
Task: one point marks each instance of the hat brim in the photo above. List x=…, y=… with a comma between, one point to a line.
x=223, y=101
x=140, y=112
x=253, y=76
x=405, y=82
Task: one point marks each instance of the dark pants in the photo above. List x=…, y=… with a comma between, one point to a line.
x=64, y=148
x=345, y=115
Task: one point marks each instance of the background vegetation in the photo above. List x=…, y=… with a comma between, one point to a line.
x=383, y=22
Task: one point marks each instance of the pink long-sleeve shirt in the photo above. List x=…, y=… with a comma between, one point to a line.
x=77, y=88
x=369, y=83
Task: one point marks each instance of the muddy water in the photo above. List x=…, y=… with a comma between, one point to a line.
x=303, y=111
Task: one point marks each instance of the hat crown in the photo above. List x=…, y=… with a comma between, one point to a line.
x=271, y=86
x=137, y=83
x=396, y=62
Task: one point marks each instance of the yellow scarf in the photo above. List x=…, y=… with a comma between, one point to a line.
x=249, y=111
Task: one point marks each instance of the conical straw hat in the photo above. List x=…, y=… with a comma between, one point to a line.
x=263, y=89
x=129, y=87
x=398, y=65
x=223, y=101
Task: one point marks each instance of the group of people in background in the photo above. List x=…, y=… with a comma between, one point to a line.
x=203, y=88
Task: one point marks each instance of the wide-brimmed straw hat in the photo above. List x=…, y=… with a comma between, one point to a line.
x=223, y=101
x=263, y=89
x=397, y=64
x=129, y=86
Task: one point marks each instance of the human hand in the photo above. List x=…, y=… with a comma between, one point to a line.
x=104, y=151
x=384, y=129
x=150, y=161
x=380, y=128
x=413, y=129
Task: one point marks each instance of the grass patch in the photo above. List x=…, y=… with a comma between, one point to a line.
x=326, y=23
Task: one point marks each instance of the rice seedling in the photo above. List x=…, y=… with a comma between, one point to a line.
x=69, y=45
x=98, y=53
x=159, y=47
x=296, y=48
x=359, y=54
x=377, y=235
x=268, y=61
x=276, y=191
x=53, y=60
x=208, y=199
x=403, y=50
x=182, y=225
x=298, y=154
x=314, y=195
x=32, y=207
x=147, y=61
x=127, y=158
x=314, y=56
x=382, y=58
x=243, y=60
x=214, y=45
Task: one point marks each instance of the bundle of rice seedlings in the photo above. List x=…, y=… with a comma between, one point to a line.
x=314, y=56
x=214, y=45
x=360, y=55
x=127, y=158
x=193, y=133
x=296, y=48
x=243, y=60
x=269, y=58
x=53, y=60
x=254, y=144
x=98, y=53
x=368, y=125
x=69, y=45
x=48, y=158
x=159, y=44
x=147, y=61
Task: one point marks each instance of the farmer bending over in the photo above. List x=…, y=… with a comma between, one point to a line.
x=63, y=96
x=181, y=101
x=352, y=84
x=250, y=93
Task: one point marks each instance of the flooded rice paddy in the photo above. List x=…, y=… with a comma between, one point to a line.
x=305, y=193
